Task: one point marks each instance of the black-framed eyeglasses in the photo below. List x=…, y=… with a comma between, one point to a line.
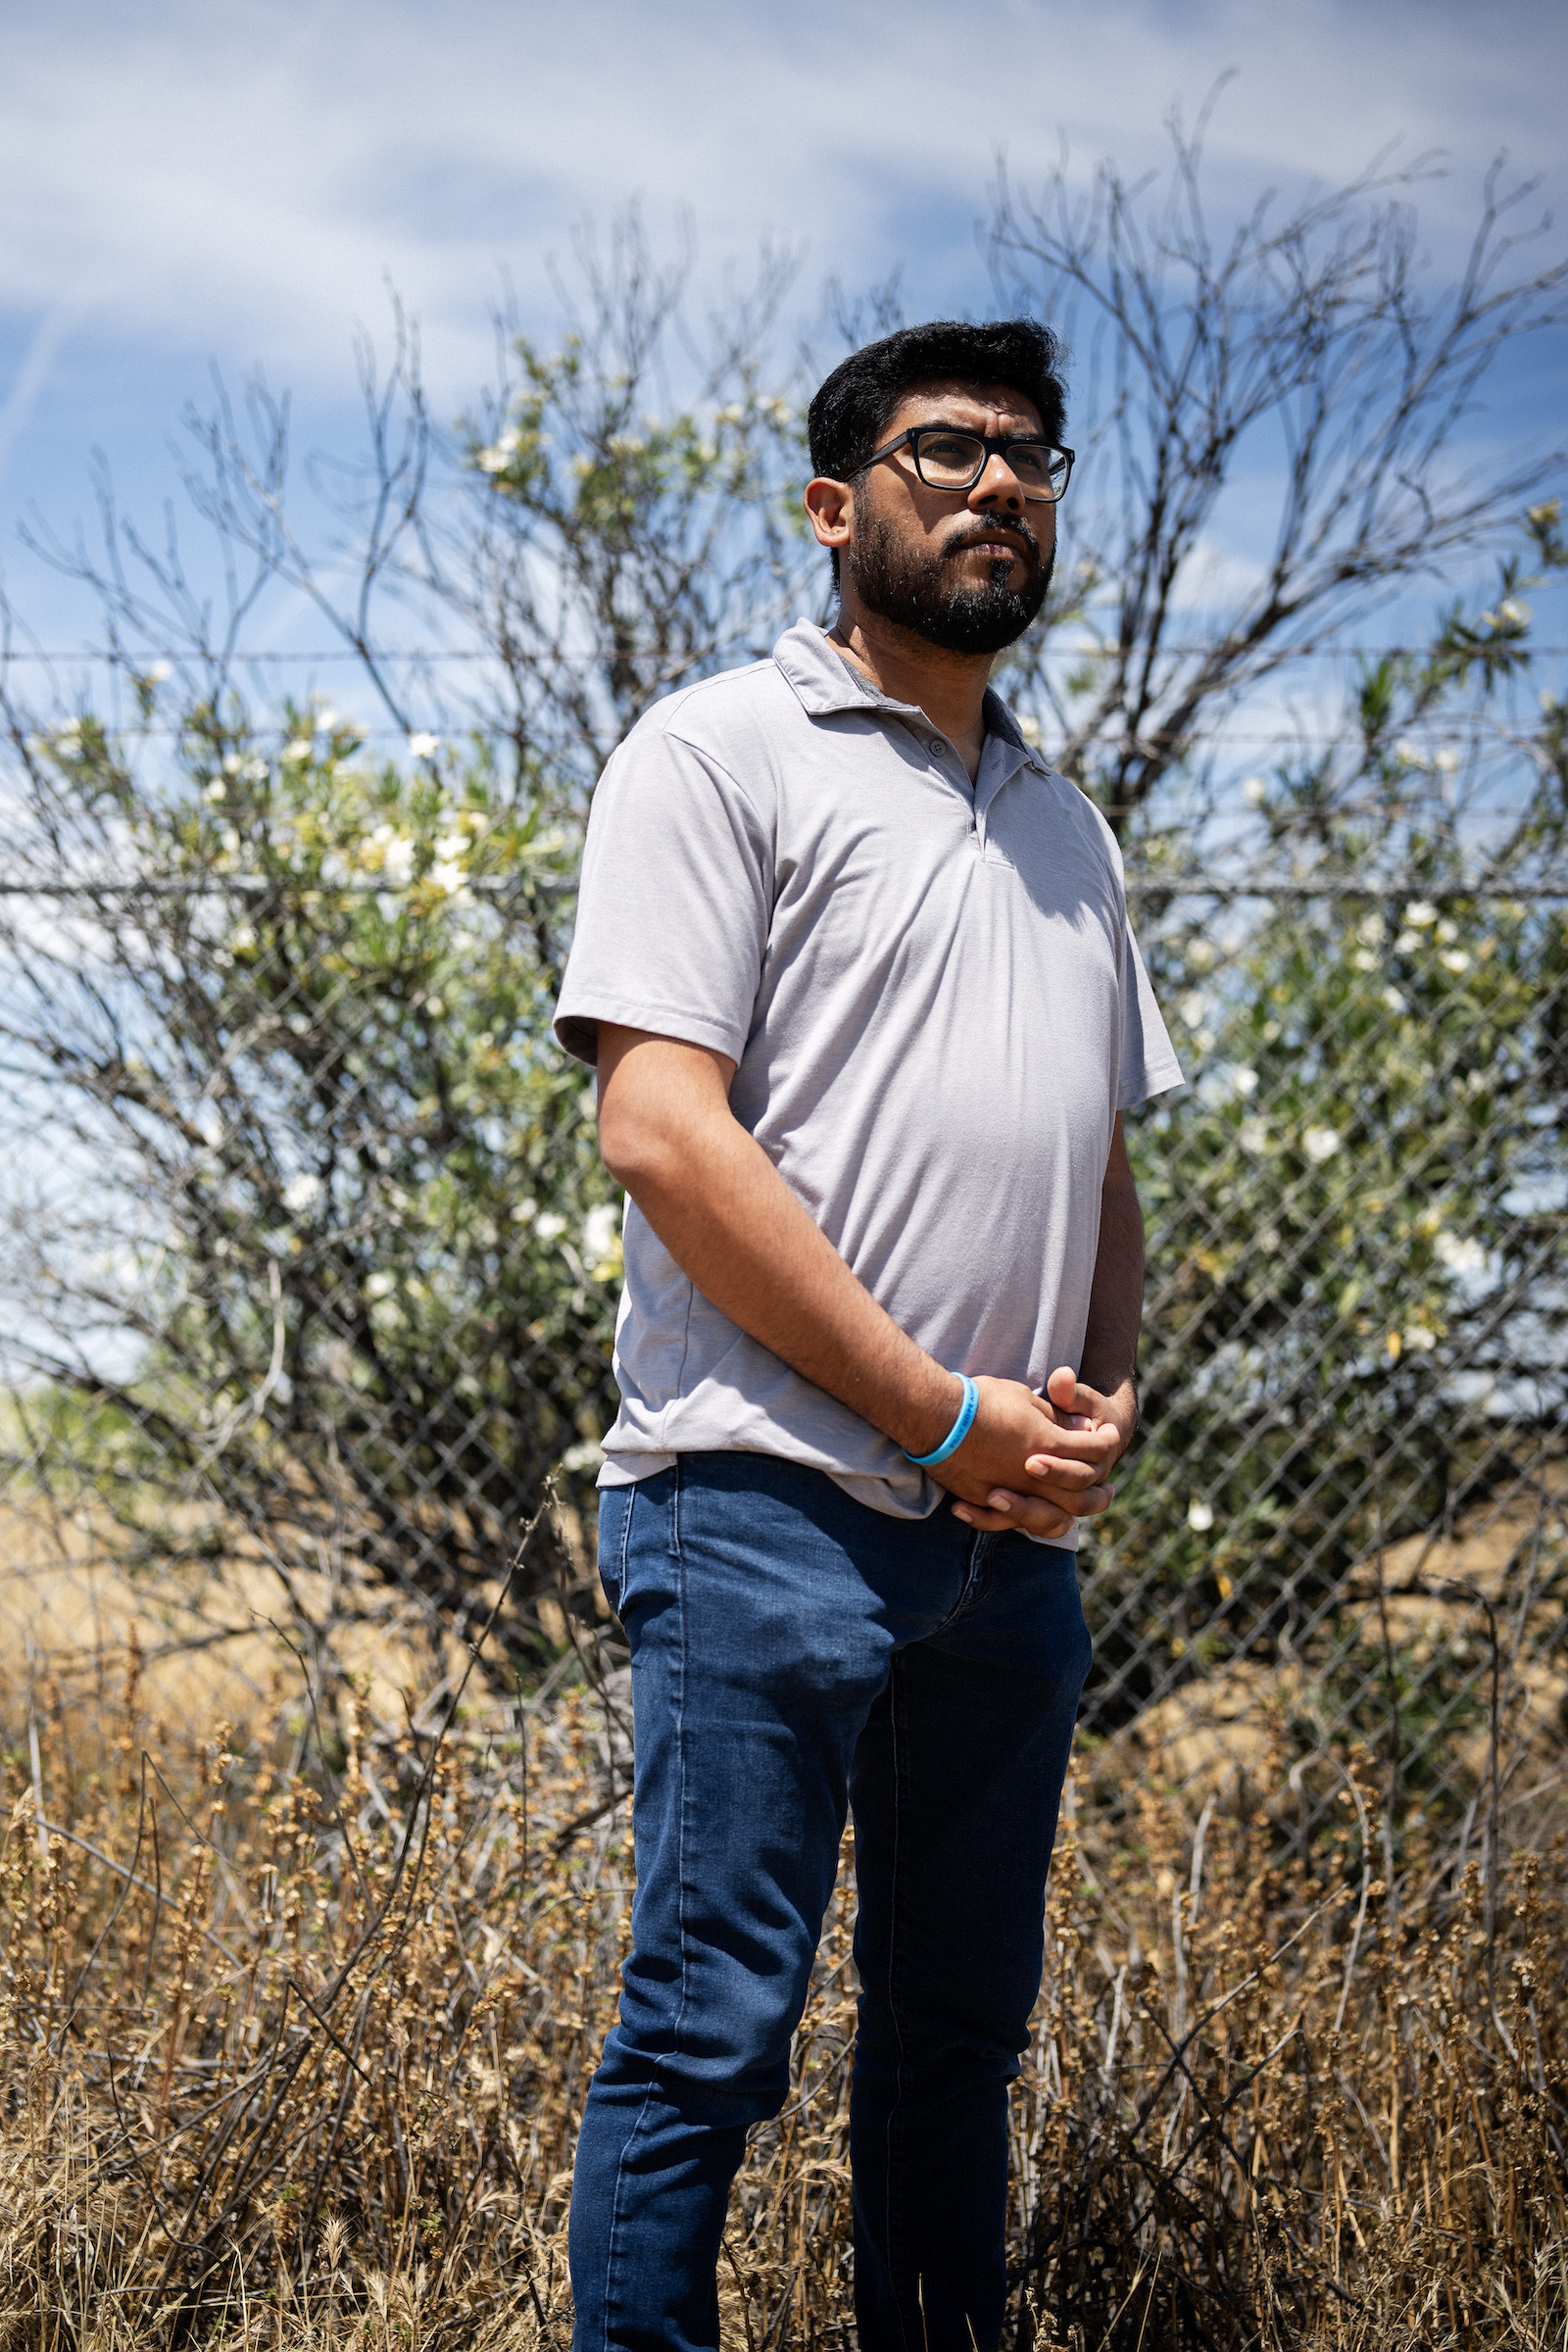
x=947, y=458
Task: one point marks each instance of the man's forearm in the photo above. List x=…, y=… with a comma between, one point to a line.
x=731, y=1223
x=752, y=1249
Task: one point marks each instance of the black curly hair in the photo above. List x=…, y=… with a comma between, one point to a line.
x=848, y=414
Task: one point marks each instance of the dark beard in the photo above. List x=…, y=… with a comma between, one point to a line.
x=921, y=594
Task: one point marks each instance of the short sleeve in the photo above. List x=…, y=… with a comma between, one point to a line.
x=1149, y=1063
x=673, y=903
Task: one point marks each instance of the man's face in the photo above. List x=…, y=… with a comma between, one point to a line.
x=965, y=570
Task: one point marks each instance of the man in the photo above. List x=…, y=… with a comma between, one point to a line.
x=855, y=971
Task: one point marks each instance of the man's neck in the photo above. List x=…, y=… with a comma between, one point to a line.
x=950, y=688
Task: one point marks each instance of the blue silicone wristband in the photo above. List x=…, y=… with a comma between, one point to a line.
x=956, y=1434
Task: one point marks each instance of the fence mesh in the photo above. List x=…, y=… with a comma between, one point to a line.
x=311, y=1269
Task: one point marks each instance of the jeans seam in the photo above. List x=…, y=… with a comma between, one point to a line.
x=625, y=1540
x=983, y=1548
x=624, y=1552
x=621, y=2168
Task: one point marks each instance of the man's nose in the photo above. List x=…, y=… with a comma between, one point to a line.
x=997, y=486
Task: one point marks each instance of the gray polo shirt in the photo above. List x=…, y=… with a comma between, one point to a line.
x=936, y=1007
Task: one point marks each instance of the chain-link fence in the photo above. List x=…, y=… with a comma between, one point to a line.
x=311, y=1270
x=1346, y=1523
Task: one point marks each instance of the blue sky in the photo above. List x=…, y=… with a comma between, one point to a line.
x=235, y=181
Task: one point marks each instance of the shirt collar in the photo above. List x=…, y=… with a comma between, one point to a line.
x=827, y=684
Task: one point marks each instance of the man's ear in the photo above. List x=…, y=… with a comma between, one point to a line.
x=831, y=507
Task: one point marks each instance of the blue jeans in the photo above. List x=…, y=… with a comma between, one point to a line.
x=794, y=1650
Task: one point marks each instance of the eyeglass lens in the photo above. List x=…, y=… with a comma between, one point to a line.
x=953, y=462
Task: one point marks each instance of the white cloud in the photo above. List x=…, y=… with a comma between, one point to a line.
x=27, y=384
x=241, y=182
x=248, y=175
x=1213, y=577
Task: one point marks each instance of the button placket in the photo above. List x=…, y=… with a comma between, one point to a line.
x=943, y=751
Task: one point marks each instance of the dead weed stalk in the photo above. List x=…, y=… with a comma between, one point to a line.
x=293, y=2043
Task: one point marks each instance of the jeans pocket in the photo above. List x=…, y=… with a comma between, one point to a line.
x=977, y=1582
x=615, y=1534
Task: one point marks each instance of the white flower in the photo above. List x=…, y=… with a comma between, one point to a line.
x=326, y=722
x=500, y=451
x=1419, y=1341
x=1513, y=609
x=1320, y=1144
x=1407, y=941
x=1372, y=930
x=587, y=1455
x=422, y=746
x=1393, y=1001
x=1454, y=960
x=600, y=1229
x=1364, y=960
x=380, y=1286
x=216, y=789
x=1243, y=1082
x=446, y=875
x=549, y=1226
x=1409, y=755
x=451, y=845
x=1252, y=1135
x=1029, y=729
x=1192, y=1008
x=397, y=866
x=1446, y=933
x=299, y=749
x=302, y=1193
x=1460, y=1253
x=1447, y=760
x=524, y=1212
x=242, y=939
x=1199, y=1515
x=1420, y=915
x=156, y=672
x=1254, y=792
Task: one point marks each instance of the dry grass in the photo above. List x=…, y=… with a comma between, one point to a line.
x=297, y=2022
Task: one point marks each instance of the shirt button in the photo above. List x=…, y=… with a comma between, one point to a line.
x=937, y=746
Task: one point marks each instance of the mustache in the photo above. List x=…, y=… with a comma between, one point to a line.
x=1019, y=529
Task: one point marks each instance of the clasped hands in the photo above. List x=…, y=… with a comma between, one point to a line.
x=1036, y=1463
